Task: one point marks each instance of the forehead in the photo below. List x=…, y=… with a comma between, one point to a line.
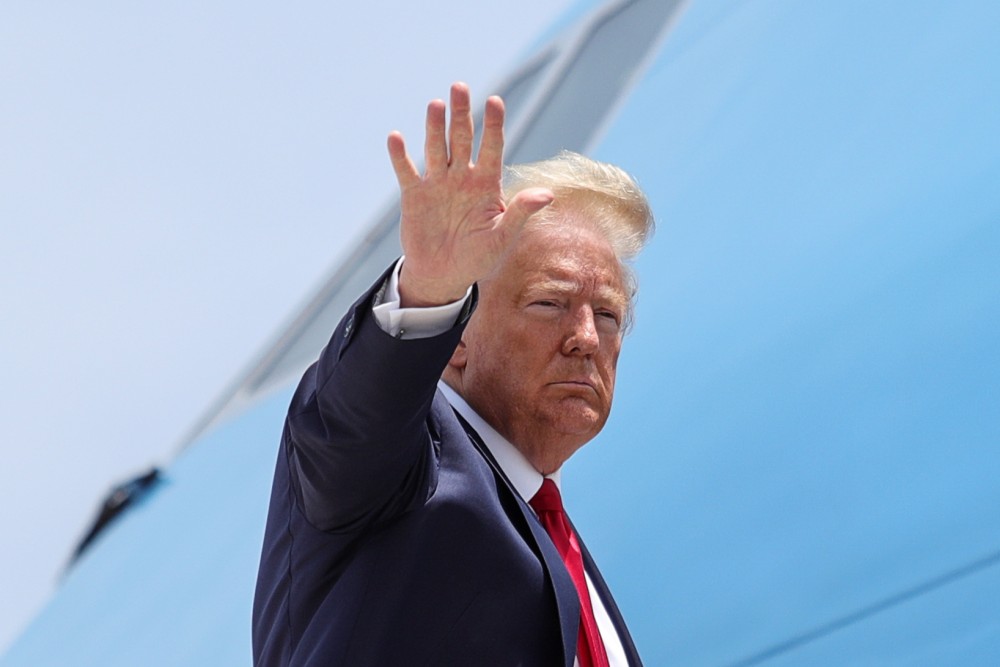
x=563, y=257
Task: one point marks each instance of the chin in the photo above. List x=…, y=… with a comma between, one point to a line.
x=573, y=416
x=586, y=424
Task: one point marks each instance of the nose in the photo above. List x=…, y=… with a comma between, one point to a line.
x=581, y=336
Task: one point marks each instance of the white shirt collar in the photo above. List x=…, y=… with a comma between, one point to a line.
x=522, y=475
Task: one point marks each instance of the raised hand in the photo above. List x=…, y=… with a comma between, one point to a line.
x=455, y=225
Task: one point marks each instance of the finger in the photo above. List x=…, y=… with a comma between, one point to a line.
x=461, y=130
x=491, y=148
x=435, y=142
x=406, y=172
x=524, y=205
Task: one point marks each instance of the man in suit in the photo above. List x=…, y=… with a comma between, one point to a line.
x=415, y=515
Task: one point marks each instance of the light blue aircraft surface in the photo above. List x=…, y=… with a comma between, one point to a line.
x=803, y=464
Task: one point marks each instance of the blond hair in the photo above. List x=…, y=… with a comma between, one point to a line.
x=601, y=193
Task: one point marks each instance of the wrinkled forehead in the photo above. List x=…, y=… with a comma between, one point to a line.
x=565, y=258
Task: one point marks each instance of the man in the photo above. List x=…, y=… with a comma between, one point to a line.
x=399, y=530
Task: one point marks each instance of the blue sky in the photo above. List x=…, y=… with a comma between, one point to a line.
x=174, y=182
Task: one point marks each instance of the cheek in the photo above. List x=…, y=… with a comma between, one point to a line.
x=495, y=368
x=609, y=365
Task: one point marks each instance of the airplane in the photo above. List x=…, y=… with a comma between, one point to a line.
x=802, y=464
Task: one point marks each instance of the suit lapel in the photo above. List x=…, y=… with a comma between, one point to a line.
x=609, y=603
x=567, y=600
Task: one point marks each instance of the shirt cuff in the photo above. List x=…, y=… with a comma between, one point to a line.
x=409, y=323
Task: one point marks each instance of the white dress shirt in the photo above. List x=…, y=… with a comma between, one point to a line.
x=426, y=322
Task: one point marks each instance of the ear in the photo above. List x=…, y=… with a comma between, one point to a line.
x=460, y=357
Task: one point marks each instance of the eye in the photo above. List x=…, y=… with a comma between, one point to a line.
x=609, y=317
x=545, y=304
x=608, y=314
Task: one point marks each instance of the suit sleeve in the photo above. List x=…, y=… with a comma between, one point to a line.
x=357, y=438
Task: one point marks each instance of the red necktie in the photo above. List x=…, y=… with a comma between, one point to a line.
x=548, y=505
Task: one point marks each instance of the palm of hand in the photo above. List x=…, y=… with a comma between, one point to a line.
x=455, y=225
x=452, y=227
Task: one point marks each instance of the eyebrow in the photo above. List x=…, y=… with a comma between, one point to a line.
x=553, y=285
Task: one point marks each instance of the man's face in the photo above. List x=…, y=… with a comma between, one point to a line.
x=538, y=357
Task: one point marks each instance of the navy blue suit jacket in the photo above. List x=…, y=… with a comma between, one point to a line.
x=393, y=538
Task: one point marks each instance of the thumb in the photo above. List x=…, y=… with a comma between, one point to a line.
x=525, y=204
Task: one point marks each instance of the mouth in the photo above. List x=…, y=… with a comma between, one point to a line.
x=577, y=383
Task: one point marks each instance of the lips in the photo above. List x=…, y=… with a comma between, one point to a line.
x=580, y=383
